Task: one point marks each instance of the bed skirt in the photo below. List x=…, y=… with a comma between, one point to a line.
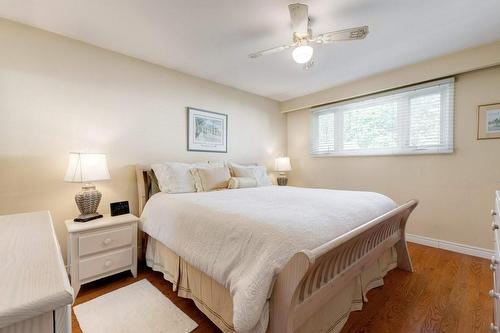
x=215, y=301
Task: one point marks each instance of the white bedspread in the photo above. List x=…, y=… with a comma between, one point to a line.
x=243, y=237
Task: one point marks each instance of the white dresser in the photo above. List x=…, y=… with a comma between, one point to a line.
x=495, y=265
x=35, y=294
x=101, y=247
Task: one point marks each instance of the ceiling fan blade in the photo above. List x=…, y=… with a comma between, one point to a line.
x=299, y=14
x=270, y=51
x=346, y=34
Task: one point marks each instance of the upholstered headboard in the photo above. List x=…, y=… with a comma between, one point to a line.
x=141, y=172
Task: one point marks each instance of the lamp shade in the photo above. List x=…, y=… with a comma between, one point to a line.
x=282, y=164
x=85, y=167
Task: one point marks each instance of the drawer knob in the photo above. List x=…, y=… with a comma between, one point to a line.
x=494, y=294
x=493, y=267
x=494, y=226
x=493, y=327
x=107, y=241
x=107, y=263
x=494, y=260
x=493, y=213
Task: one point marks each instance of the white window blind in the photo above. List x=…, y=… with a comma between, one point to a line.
x=410, y=120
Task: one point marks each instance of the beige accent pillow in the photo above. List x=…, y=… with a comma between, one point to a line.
x=242, y=182
x=210, y=179
x=196, y=177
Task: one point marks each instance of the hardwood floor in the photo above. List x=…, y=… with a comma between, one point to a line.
x=448, y=292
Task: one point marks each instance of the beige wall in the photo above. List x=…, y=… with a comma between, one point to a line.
x=456, y=191
x=460, y=62
x=59, y=95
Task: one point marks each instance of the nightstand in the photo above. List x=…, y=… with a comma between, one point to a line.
x=101, y=247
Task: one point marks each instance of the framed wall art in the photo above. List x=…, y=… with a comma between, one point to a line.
x=488, y=121
x=207, y=131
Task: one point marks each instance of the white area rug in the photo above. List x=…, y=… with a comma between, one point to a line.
x=138, y=307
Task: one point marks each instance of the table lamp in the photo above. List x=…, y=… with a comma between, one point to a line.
x=86, y=168
x=282, y=165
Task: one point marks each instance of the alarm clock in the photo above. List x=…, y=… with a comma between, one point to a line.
x=119, y=208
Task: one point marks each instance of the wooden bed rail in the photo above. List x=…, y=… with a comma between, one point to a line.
x=313, y=277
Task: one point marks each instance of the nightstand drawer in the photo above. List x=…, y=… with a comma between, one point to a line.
x=104, y=240
x=105, y=263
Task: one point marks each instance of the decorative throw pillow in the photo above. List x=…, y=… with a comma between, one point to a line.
x=210, y=179
x=196, y=177
x=174, y=177
x=242, y=182
x=258, y=172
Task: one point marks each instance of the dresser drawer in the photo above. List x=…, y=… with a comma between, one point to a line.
x=104, y=240
x=495, y=223
x=102, y=264
x=496, y=313
x=494, y=213
x=495, y=268
x=495, y=295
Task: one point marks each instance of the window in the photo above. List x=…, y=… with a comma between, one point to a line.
x=411, y=120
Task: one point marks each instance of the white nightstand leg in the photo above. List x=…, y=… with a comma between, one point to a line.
x=133, y=268
x=73, y=262
x=76, y=288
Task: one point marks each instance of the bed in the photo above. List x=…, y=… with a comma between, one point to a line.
x=270, y=259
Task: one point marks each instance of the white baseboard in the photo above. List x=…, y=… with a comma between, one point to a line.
x=450, y=246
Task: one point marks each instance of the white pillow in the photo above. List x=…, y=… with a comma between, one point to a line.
x=258, y=172
x=174, y=177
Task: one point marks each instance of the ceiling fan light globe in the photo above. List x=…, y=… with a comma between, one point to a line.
x=302, y=54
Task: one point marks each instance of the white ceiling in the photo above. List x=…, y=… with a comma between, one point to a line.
x=212, y=38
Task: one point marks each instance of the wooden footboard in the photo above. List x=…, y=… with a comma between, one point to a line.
x=312, y=278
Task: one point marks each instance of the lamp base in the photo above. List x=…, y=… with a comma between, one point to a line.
x=87, y=217
x=87, y=201
x=282, y=180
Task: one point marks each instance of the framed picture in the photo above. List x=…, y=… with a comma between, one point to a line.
x=488, y=121
x=207, y=131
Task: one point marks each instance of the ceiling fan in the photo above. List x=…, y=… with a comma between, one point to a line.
x=303, y=37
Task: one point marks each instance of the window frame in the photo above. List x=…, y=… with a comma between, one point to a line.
x=444, y=86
